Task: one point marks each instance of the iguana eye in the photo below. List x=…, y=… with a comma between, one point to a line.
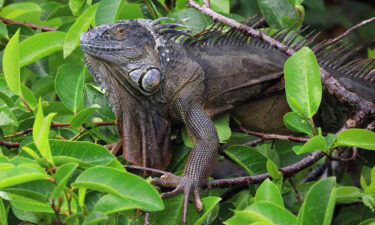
x=120, y=31
x=151, y=80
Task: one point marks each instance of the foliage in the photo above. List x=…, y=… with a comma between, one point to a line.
x=64, y=175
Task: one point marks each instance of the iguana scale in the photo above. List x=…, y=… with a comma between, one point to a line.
x=157, y=75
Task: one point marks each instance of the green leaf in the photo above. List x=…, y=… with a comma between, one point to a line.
x=61, y=177
x=319, y=203
x=110, y=204
x=11, y=65
x=76, y=5
x=303, y=86
x=348, y=194
x=273, y=170
x=107, y=10
x=122, y=184
x=29, y=96
x=41, y=130
x=248, y=158
x=95, y=218
x=278, y=13
x=221, y=6
x=81, y=117
x=94, y=96
x=129, y=11
x=263, y=213
x=69, y=84
x=209, y=204
x=86, y=154
x=192, y=18
x=296, y=123
x=38, y=190
x=278, y=215
x=3, y=213
x=6, y=115
x=29, y=204
x=222, y=127
x=357, y=138
x=20, y=174
x=314, y=144
x=40, y=45
x=269, y=192
x=83, y=22
x=3, y=30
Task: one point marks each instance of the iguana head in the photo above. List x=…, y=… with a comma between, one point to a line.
x=123, y=57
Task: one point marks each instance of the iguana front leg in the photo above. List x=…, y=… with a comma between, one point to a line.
x=202, y=158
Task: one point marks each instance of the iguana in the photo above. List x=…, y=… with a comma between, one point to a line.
x=157, y=76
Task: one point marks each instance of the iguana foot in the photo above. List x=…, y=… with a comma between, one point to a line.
x=183, y=184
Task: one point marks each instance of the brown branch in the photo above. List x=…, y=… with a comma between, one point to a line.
x=146, y=169
x=285, y=171
x=274, y=136
x=56, y=124
x=9, y=144
x=351, y=158
x=31, y=25
x=346, y=33
x=331, y=83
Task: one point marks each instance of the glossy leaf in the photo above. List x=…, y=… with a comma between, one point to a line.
x=319, y=203
x=296, y=123
x=29, y=204
x=61, y=177
x=69, y=85
x=221, y=6
x=269, y=192
x=275, y=213
x=278, y=13
x=348, y=194
x=40, y=45
x=303, y=86
x=110, y=204
x=195, y=20
x=3, y=213
x=29, y=97
x=94, y=96
x=41, y=131
x=314, y=144
x=209, y=203
x=82, y=115
x=95, y=218
x=76, y=5
x=83, y=22
x=20, y=174
x=3, y=30
x=357, y=138
x=11, y=65
x=6, y=115
x=248, y=158
x=273, y=170
x=107, y=11
x=122, y=184
x=129, y=11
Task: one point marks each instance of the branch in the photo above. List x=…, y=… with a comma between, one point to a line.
x=56, y=124
x=9, y=144
x=331, y=83
x=346, y=33
x=31, y=25
x=285, y=171
x=274, y=136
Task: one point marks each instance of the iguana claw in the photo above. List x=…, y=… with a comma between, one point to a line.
x=184, y=185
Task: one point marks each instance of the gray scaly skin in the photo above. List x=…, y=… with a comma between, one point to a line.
x=157, y=76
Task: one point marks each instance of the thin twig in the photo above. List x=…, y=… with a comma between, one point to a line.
x=330, y=82
x=353, y=157
x=346, y=33
x=56, y=124
x=31, y=25
x=274, y=136
x=146, y=169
